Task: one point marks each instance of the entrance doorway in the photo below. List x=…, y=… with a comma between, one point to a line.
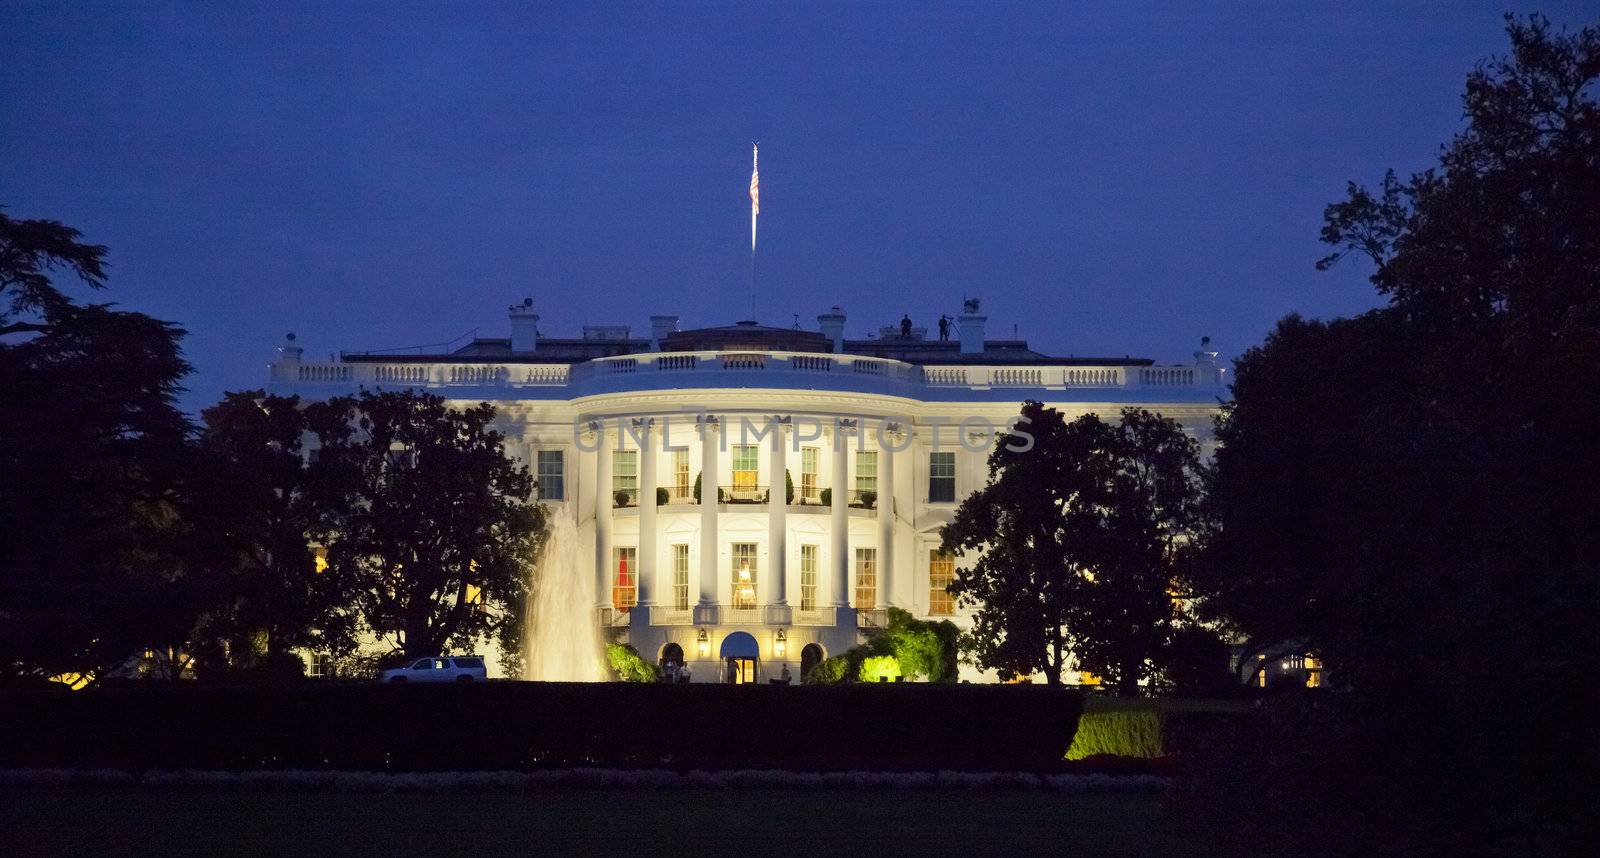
x=810, y=657
x=741, y=658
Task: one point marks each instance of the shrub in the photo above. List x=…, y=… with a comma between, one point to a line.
x=696, y=488
x=879, y=668
x=826, y=496
x=621, y=498
x=788, y=488
x=869, y=499
x=662, y=496
x=629, y=666
x=1122, y=733
x=829, y=671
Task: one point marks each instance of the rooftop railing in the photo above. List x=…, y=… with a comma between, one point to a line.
x=752, y=369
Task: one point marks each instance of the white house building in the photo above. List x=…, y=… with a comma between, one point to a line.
x=671, y=458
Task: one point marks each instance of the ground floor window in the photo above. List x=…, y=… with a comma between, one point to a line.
x=808, y=577
x=941, y=571
x=866, y=579
x=744, y=575
x=680, y=577
x=625, y=586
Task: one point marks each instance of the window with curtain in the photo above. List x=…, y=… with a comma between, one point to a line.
x=866, y=579
x=746, y=476
x=941, y=571
x=680, y=577
x=551, y=472
x=744, y=575
x=625, y=581
x=941, y=477
x=808, y=577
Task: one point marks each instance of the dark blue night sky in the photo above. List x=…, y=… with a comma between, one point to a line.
x=1110, y=183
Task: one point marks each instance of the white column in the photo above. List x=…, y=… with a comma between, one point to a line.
x=887, y=441
x=602, y=517
x=840, y=550
x=777, y=517
x=649, y=563
x=710, y=437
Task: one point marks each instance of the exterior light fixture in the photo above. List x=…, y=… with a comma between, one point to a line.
x=704, y=643
x=780, y=644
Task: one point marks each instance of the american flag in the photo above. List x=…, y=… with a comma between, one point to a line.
x=755, y=181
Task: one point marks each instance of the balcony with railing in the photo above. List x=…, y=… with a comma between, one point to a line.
x=861, y=499
x=742, y=493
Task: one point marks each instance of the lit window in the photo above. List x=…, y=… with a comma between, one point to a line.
x=941, y=477
x=746, y=475
x=680, y=577
x=808, y=577
x=625, y=590
x=552, y=475
x=625, y=477
x=866, y=579
x=744, y=575
x=808, y=475
x=680, y=473
x=319, y=557
x=941, y=571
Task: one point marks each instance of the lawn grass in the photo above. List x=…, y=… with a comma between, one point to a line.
x=653, y=823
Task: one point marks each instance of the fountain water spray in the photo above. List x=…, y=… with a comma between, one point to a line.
x=562, y=642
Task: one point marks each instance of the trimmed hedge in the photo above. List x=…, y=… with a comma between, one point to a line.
x=525, y=725
x=1146, y=728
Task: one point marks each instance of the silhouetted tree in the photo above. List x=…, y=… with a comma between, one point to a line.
x=1412, y=494
x=258, y=503
x=1078, y=539
x=428, y=520
x=92, y=455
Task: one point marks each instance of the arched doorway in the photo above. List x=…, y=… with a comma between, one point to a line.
x=810, y=657
x=740, y=655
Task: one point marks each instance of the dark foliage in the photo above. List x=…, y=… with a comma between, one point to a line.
x=504, y=725
x=1411, y=493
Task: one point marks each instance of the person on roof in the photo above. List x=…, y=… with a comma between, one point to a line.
x=905, y=326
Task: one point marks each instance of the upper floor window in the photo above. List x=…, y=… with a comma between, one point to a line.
x=809, y=492
x=746, y=475
x=942, y=477
x=680, y=473
x=551, y=472
x=625, y=477
x=867, y=471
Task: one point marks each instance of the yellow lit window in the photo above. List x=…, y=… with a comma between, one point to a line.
x=866, y=579
x=625, y=589
x=941, y=571
x=808, y=577
x=744, y=575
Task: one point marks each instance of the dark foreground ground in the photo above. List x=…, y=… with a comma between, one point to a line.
x=155, y=821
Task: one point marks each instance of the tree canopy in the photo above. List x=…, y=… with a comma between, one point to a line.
x=1411, y=493
x=1078, y=540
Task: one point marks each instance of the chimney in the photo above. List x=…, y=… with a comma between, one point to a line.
x=832, y=324
x=660, y=327
x=970, y=324
x=286, y=367
x=1206, y=361
x=524, y=327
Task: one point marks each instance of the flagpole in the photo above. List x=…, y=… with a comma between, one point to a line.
x=755, y=208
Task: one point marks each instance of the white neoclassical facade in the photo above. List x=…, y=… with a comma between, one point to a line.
x=747, y=498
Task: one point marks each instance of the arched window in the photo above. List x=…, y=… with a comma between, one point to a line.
x=810, y=657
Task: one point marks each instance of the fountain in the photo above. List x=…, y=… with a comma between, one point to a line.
x=562, y=643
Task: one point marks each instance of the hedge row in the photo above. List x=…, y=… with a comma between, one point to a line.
x=512, y=725
x=1146, y=728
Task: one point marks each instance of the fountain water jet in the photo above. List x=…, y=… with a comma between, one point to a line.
x=562, y=642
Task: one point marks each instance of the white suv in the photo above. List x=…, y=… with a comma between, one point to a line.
x=441, y=668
